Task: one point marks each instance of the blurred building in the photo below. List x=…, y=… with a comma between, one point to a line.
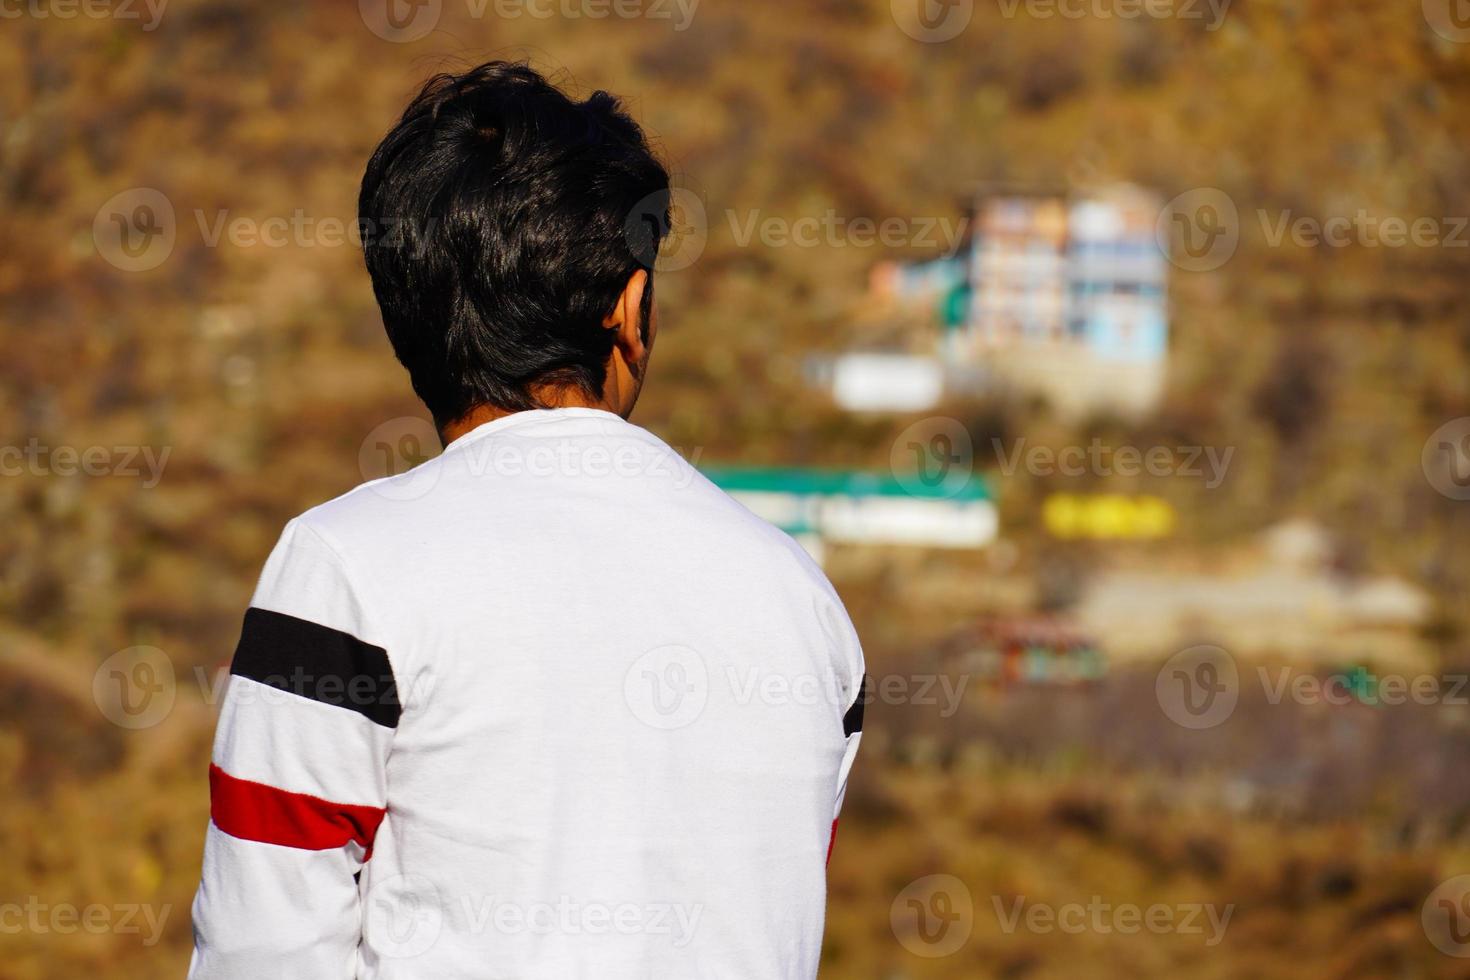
x=880, y=381
x=1018, y=274
x=1107, y=516
x=1280, y=596
x=818, y=507
x=1066, y=297
x=1024, y=650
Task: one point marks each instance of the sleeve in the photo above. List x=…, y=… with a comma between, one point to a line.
x=847, y=655
x=297, y=782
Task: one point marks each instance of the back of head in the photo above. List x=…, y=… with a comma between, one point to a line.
x=497, y=232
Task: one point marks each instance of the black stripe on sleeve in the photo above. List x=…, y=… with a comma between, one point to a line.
x=853, y=720
x=317, y=662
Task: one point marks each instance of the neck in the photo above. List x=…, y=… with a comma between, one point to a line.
x=545, y=398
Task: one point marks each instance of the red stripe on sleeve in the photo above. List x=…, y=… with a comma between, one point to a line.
x=255, y=811
x=831, y=841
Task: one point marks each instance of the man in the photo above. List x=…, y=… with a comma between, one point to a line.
x=551, y=704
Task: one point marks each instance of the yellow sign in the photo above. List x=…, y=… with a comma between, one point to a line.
x=1107, y=516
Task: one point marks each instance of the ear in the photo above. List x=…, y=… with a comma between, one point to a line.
x=625, y=320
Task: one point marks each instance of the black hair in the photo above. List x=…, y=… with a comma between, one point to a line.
x=501, y=221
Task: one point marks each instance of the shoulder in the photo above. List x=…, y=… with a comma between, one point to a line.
x=778, y=547
x=372, y=512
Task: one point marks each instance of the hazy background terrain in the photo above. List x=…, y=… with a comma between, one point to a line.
x=234, y=372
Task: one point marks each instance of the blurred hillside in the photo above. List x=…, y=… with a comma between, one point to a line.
x=263, y=371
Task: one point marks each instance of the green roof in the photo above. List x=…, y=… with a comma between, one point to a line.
x=850, y=483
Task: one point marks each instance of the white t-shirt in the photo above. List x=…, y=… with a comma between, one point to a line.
x=548, y=705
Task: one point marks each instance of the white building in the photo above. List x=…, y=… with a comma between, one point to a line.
x=818, y=507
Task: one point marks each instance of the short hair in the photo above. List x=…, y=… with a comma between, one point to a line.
x=501, y=221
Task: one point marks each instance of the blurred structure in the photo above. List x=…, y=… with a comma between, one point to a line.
x=1032, y=650
x=1065, y=298
x=1108, y=516
x=818, y=507
x=1018, y=272
x=1277, y=596
x=880, y=381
